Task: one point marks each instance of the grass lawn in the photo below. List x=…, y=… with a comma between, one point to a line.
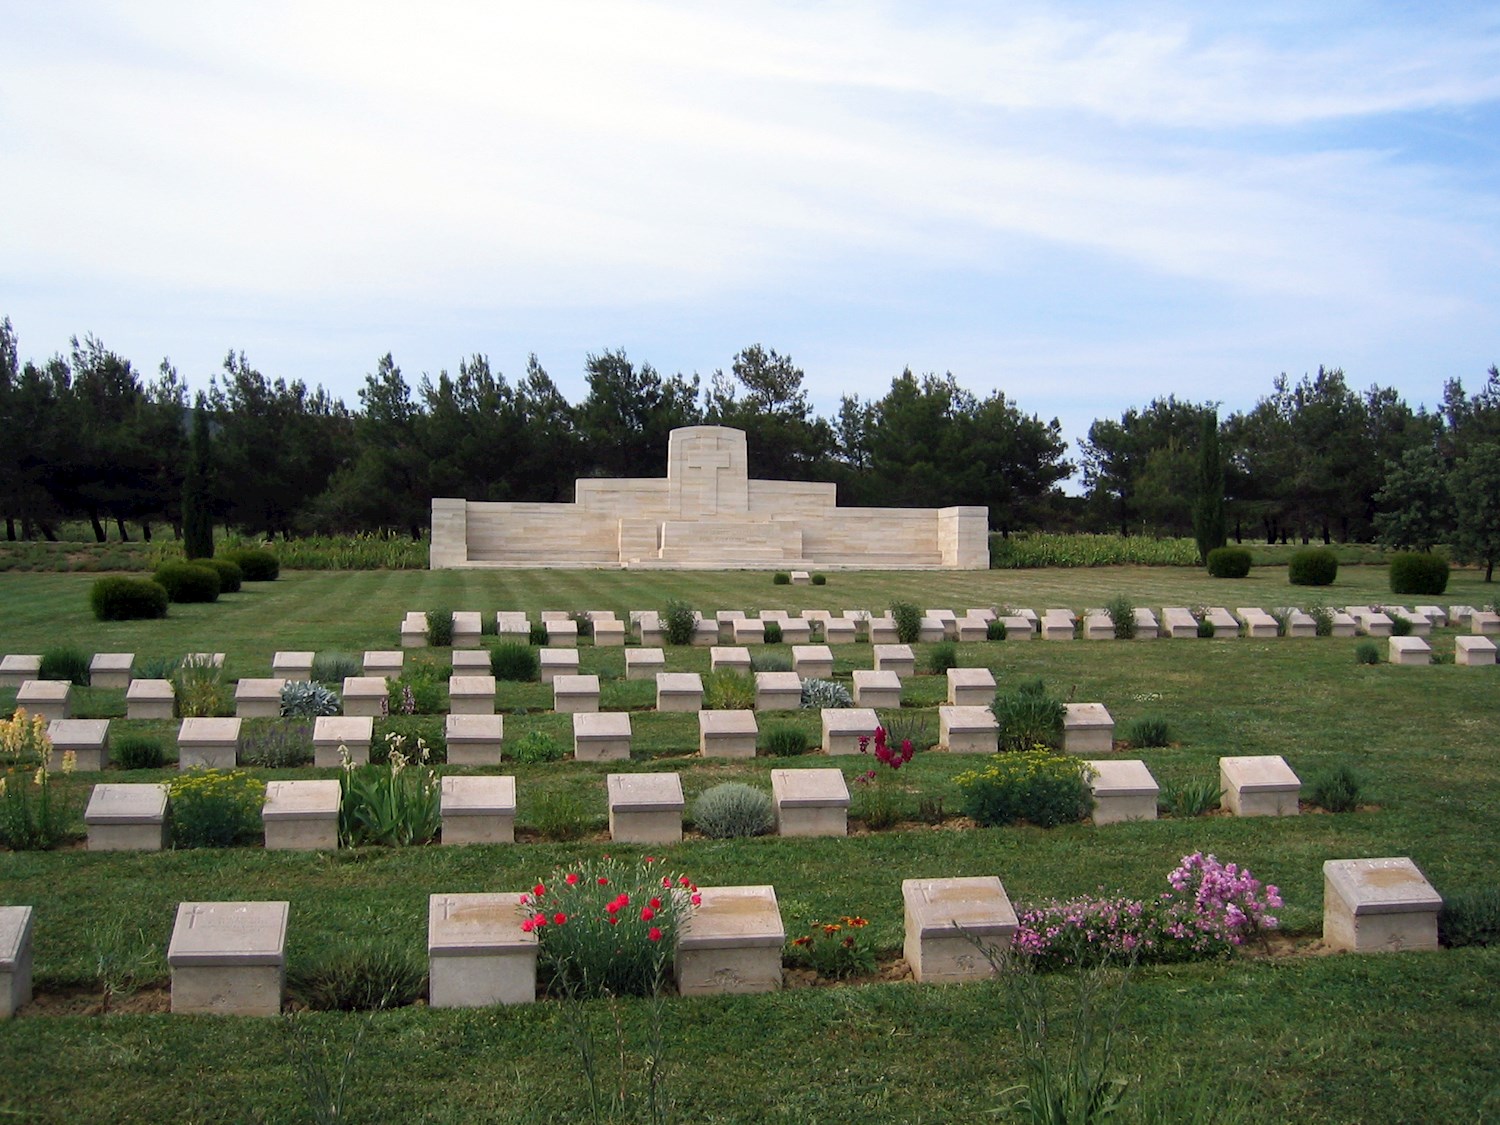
x=1301, y=1038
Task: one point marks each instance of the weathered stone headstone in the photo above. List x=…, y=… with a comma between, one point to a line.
x=1378, y=906
x=731, y=942
x=954, y=927
x=228, y=958
x=477, y=953
x=645, y=808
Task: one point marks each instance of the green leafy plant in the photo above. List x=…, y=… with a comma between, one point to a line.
x=537, y=635
x=784, y=741
x=1322, y=617
x=215, y=808
x=272, y=745
x=1189, y=799
x=359, y=974
x=1228, y=562
x=1415, y=573
x=1316, y=566
x=559, y=814
x=941, y=657
x=200, y=689
x=1339, y=789
x=336, y=667
x=394, y=804
x=772, y=632
x=820, y=579
x=536, y=746
x=781, y=578
x=127, y=599
x=1400, y=625
x=66, y=662
x=677, y=622
x=817, y=694
x=908, y=619
x=1283, y=619
x=879, y=801
x=255, y=563
x=514, y=662
x=1149, y=730
x=307, y=699
x=156, y=668
x=1470, y=918
x=1036, y=785
x=418, y=691
x=1206, y=628
x=231, y=577
x=440, y=628
x=1027, y=715
x=188, y=582
x=728, y=689
x=733, y=810
x=834, y=950
x=34, y=801
x=994, y=630
x=1121, y=611
x=137, y=752
x=769, y=662
x=1367, y=652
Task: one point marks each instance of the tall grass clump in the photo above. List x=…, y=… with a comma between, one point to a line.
x=66, y=662
x=1121, y=611
x=514, y=662
x=726, y=689
x=336, y=667
x=1028, y=716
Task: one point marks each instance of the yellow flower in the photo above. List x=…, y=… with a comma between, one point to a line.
x=70, y=761
x=41, y=776
x=2, y=786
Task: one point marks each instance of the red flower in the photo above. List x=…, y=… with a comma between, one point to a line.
x=571, y=879
x=653, y=934
x=623, y=899
x=539, y=890
x=655, y=904
x=614, y=919
x=685, y=881
x=907, y=750
x=848, y=943
x=527, y=926
x=612, y=908
x=696, y=900
x=666, y=881
x=647, y=914
x=603, y=882
x=650, y=859
x=559, y=918
x=539, y=921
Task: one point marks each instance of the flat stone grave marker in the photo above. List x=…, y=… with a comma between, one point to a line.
x=575, y=695
x=882, y=630
x=894, y=658
x=1300, y=623
x=645, y=808
x=1436, y=614
x=1373, y=623
x=467, y=628
x=1224, y=623
x=474, y=740
x=679, y=691
x=795, y=631
x=478, y=810
x=127, y=817
x=228, y=958
x=558, y=662
x=724, y=619
x=111, y=670
x=1472, y=651
x=813, y=662
x=1019, y=628
x=258, y=698
x=1343, y=625
x=968, y=730
x=149, y=699
x=810, y=802
x=477, y=953
x=561, y=634
x=931, y=631
x=947, y=620
x=1417, y=621
x=1460, y=615
x=15, y=959
x=877, y=689
x=954, y=925
x=735, y=659
x=1146, y=628
x=727, y=734
x=334, y=735
x=1378, y=906
x=601, y=736
x=778, y=691
x=555, y=616
x=837, y=631
x=1088, y=728
x=748, y=631
x=1259, y=625
x=644, y=663
x=472, y=695
x=1123, y=790
x=844, y=726
x=1408, y=650
x=512, y=625
x=1259, y=785
x=47, y=699
x=1484, y=624
x=366, y=695
x=609, y=634
x=387, y=663
x=648, y=627
x=801, y=578
x=208, y=743
x=971, y=630
x=17, y=668
x=414, y=630
x=1098, y=627
x=971, y=687
x=705, y=634
x=471, y=661
x=86, y=739
x=292, y=665
x=1179, y=623
x=1057, y=625
x=301, y=816
x=731, y=942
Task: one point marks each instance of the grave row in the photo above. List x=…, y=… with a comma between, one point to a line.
x=229, y=958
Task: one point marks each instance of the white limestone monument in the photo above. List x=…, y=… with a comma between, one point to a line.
x=707, y=514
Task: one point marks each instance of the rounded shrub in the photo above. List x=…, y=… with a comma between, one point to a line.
x=1228, y=562
x=128, y=599
x=781, y=578
x=1149, y=730
x=994, y=630
x=230, y=574
x=188, y=582
x=1028, y=716
x=440, y=628
x=820, y=579
x=256, y=563
x=1038, y=786
x=908, y=619
x=307, y=699
x=818, y=694
x=733, y=810
x=515, y=662
x=677, y=622
x=66, y=662
x=1415, y=573
x=1316, y=566
x=773, y=632
x=1367, y=652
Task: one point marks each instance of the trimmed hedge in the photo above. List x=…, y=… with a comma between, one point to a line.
x=188, y=582
x=1228, y=562
x=257, y=564
x=1316, y=566
x=230, y=574
x=1414, y=573
x=128, y=599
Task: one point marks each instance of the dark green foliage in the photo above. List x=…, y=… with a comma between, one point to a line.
x=256, y=563
x=941, y=657
x=536, y=746
x=137, y=752
x=275, y=746
x=198, y=490
x=1209, y=523
x=440, y=628
x=1316, y=566
x=515, y=662
x=188, y=582
x=1028, y=717
x=781, y=578
x=1149, y=730
x=1400, y=626
x=66, y=662
x=1121, y=612
x=784, y=741
x=908, y=619
x=994, y=630
x=677, y=622
x=820, y=579
x=733, y=810
x=773, y=632
x=230, y=575
x=1415, y=573
x=1339, y=789
x=537, y=634
x=1228, y=562
x=1470, y=918
x=1322, y=617
x=419, y=691
x=1367, y=652
x=1190, y=799
x=336, y=667
x=1037, y=786
x=428, y=729
x=365, y=974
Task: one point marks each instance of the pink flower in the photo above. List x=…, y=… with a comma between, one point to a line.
x=666, y=881
x=527, y=926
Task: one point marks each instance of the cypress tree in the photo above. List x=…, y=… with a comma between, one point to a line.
x=197, y=490
x=1209, y=524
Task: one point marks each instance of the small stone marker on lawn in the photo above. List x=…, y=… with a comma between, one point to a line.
x=88, y=739
x=894, y=658
x=471, y=695
x=810, y=802
x=1485, y=624
x=778, y=691
x=609, y=633
x=796, y=631
x=968, y=730
x=1373, y=623
x=1408, y=650
x=1179, y=623
x=1088, y=728
x=385, y=662
x=705, y=634
x=971, y=687
x=467, y=628
x=471, y=661
x=335, y=734
x=953, y=926
x=601, y=736
x=228, y=958
x=301, y=816
x=1473, y=651
x=573, y=695
x=644, y=663
x=734, y=659
x=15, y=959
x=558, y=662
x=731, y=942
x=801, y=578
x=1262, y=785
x=365, y=695
x=208, y=743
x=971, y=630
x=645, y=808
x=877, y=689
x=1223, y=621
x=258, y=698
x=149, y=699
x=1098, y=627
x=838, y=631
x=747, y=631
x=45, y=698
x=1259, y=625
x=844, y=726
x=946, y=620
x=17, y=668
x=111, y=670
x=1146, y=628
x=1018, y=628
x=478, y=810
x=1378, y=906
x=1123, y=790
x=561, y=632
x=1299, y=623
x=127, y=818
x=725, y=619
x=882, y=630
x=1057, y=625
x=292, y=665
x=474, y=740
x=513, y=625
x=477, y=953
x=931, y=630
x=648, y=628
x=727, y=734
x=414, y=630
x=1343, y=625
x=813, y=662
x=1436, y=614
x=679, y=691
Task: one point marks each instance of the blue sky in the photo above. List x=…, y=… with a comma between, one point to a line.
x=1084, y=205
